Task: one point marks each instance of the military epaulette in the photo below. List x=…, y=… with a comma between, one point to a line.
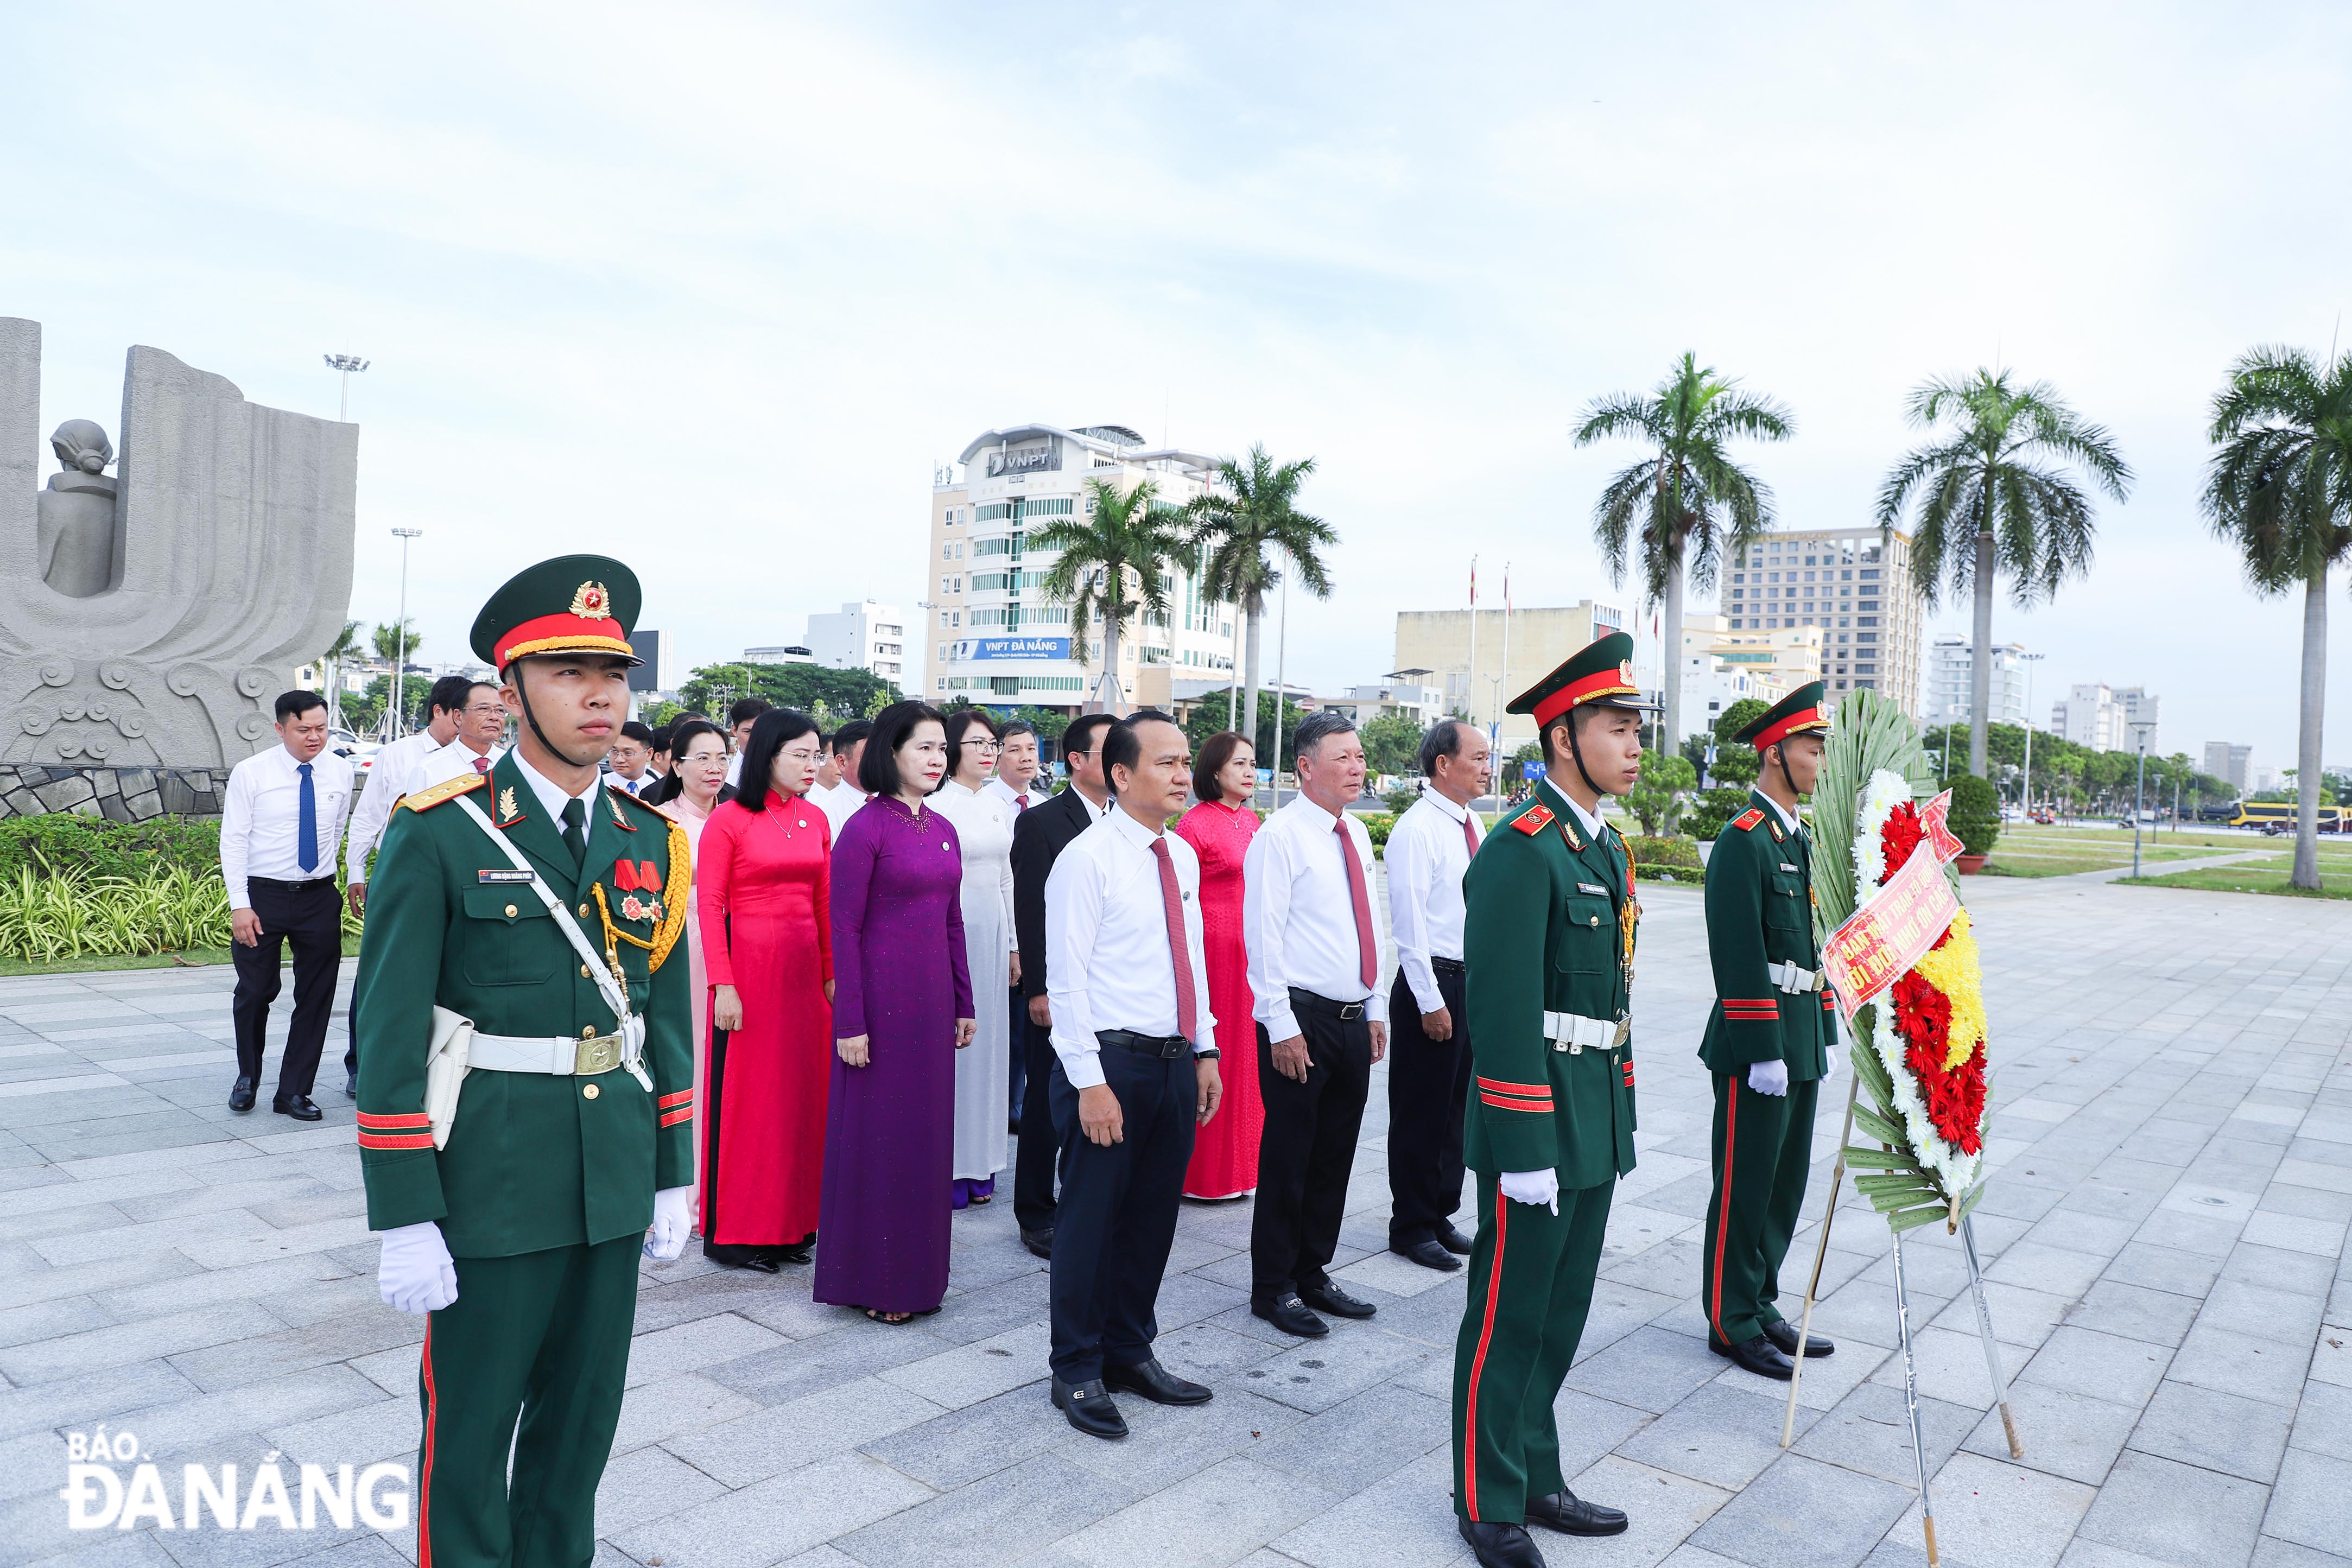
x=1746, y=822
x=613, y=799
x=448, y=789
x=1533, y=820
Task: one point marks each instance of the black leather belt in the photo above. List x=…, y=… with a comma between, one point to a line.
x=1448, y=966
x=1345, y=1012
x=289, y=886
x=1167, y=1047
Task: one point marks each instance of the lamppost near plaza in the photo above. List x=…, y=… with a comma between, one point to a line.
x=346, y=366
x=2029, y=660
x=400, y=664
x=2141, y=729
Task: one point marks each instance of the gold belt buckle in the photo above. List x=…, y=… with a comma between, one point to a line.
x=600, y=1054
x=1624, y=1032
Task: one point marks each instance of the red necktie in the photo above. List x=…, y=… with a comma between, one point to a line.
x=1469, y=835
x=1368, y=946
x=1179, y=951
x=1020, y=802
x=481, y=765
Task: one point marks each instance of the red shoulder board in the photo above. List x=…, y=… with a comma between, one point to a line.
x=1533, y=820
x=1749, y=818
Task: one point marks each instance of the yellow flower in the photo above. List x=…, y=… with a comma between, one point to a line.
x=1953, y=970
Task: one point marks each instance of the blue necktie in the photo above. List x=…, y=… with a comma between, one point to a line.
x=306, y=841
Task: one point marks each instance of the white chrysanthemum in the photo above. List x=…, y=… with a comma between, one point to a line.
x=1884, y=792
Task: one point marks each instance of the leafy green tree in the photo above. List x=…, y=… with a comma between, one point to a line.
x=1687, y=504
x=1976, y=813
x=1214, y=712
x=2279, y=487
x=1735, y=769
x=1249, y=512
x=832, y=695
x=1661, y=793
x=345, y=647
x=394, y=639
x=1391, y=744
x=365, y=710
x=1993, y=493
x=1111, y=567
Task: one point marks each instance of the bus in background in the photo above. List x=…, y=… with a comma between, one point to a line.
x=2276, y=817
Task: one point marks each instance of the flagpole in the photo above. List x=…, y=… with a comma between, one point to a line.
x=1506, y=650
x=1473, y=680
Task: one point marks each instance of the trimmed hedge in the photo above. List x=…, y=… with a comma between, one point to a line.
x=1976, y=813
x=1666, y=859
x=96, y=847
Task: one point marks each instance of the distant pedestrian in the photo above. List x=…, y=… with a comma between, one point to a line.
x=1225, y=1156
x=281, y=830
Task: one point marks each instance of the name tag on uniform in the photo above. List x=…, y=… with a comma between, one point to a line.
x=502, y=873
x=1588, y=887
x=1786, y=866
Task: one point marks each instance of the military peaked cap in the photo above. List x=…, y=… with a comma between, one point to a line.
x=1602, y=673
x=1800, y=712
x=573, y=604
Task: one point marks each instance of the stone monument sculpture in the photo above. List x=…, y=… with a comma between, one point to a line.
x=150, y=620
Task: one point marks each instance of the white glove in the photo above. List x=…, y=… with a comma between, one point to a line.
x=1540, y=1189
x=1828, y=1062
x=415, y=1274
x=1769, y=1077
x=673, y=1222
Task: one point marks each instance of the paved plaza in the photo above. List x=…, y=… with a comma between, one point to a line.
x=2173, y=1179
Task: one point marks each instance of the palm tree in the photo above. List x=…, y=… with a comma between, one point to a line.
x=2280, y=489
x=395, y=639
x=1689, y=501
x=1249, y=513
x=1123, y=535
x=1994, y=496
x=330, y=667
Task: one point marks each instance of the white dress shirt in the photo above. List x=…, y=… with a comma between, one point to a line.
x=1590, y=821
x=1106, y=959
x=839, y=804
x=1788, y=817
x=1426, y=857
x=552, y=796
x=454, y=760
x=637, y=785
x=393, y=774
x=261, y=819
x=1298, y=919
x=998, y=790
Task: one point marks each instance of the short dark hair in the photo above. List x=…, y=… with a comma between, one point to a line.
x=1323, y=721
x=1218, y=751
x=961, y=723
x=1081, y=735
x=1573, y=720
x=1122, y=747
x=1013, y=727
x=675, y=737
x=771, y=733
x=745, y=709
x=1444, y=739
x=297, y=702
x=660, y=741
x=450, y=694
x=850, y=734
x=642, y=734
x=877, y=770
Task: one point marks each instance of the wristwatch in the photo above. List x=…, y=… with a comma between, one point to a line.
x=1206, y=1053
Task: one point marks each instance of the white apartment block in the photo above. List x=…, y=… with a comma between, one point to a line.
x=989, y=633
x=2106, y=718
x=2229, y=762
x=1951, y=690
x=1851, y=584
x=866, y=636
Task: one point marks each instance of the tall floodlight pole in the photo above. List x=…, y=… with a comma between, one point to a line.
x=346, y=366
x=400, y=664
x=2139, y=792
x=2029, y=660
x=1281, y=680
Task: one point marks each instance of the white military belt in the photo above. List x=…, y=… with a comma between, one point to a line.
x=1789, y=977
x=560, y=1055
x=1572, y=1032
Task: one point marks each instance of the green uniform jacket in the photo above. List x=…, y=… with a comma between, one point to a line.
x=1541, y=933
x=1759, y=911
x=534, y=1160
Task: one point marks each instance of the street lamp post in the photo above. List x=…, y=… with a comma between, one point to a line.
x=2139, y=792
x=2029, y=660
x=346, y=366
x=400, y=664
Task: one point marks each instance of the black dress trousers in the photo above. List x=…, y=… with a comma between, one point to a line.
x=1117, y=1214
x=1033, y=1161
x=1429, y=1093
x=308, y=915
x=1308, y=1147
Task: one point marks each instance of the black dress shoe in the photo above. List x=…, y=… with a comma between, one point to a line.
x=1500, y=1545
x=1452, y=1240
x=798, y=1253
x=240, y=1094
x=1429, y=1255
x=1040, y=1242
x=1155, y=1383
x=1089, y=1409
x=297, y=1107
x=1571, y=1515
x=1758, y=1355
x=1784, y=1334
x=735, y=1255
x=1328, y=1297
x=1291, y=1316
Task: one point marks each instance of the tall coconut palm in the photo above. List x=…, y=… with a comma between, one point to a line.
x=1250, y=514
x=2280, y=489
x=1112, y=559
x=1994, y=495
x=331, y=668
x=1689, y=503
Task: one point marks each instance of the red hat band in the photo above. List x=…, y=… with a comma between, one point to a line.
x=563, y=633
x=1602, y=684
x=1802, y=719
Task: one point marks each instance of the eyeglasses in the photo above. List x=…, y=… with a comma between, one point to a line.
x=985, y=743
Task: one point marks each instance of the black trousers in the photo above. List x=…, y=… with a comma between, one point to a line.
x=1308, y=1147
x=309, y=916
x=1018, y=1039
x=1117, y=1214
x=1429, y=1092
x=1033, y=1162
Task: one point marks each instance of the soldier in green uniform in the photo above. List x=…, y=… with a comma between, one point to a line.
x=538, y=906
x=1770, y=1042
x=1547, y=936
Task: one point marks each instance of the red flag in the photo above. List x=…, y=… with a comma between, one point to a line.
x=1474, y=582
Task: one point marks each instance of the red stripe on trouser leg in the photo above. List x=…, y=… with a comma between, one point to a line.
x=1723, y=1212
x=425, y=1481
x=1478, y=1365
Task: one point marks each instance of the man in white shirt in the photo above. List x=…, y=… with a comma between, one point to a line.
x=841, y=801
x=281, y=825
x=481, y=726
x=395, y=772
x=1135, y=1071
x=1429, y=1071
x=1322, y=1022
x=631, y=759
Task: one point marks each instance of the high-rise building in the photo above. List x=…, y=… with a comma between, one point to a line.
x=989, y=634
x=866, y=636
x=2105, y=719
x=1480, y=664
x=1950, y=696
x=1855, y=586
x=2229, y=763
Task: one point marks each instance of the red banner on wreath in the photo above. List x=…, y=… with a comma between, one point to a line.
x=1880, y=942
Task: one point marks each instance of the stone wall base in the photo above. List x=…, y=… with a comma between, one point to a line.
x=118, y=794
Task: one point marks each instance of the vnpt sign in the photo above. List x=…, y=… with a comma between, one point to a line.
x=1037, y=459
x=1018, y=648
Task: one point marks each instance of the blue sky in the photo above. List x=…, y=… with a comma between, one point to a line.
x=710, y=287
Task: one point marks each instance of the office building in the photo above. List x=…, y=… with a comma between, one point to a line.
x=2105, y=719
x=1853, y=585
x=989, y=634
x=1476, y=675
x=1950, y=695
x=785, y=653
x=2231, y=763
x=866, y=636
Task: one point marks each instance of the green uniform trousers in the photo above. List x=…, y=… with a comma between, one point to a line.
x=543, y=1336
x=1763, y=1149
x=1531, y=1275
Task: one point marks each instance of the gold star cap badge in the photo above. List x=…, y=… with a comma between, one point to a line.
x=592, y=602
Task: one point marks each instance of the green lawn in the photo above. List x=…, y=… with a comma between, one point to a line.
x=2247, y=878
